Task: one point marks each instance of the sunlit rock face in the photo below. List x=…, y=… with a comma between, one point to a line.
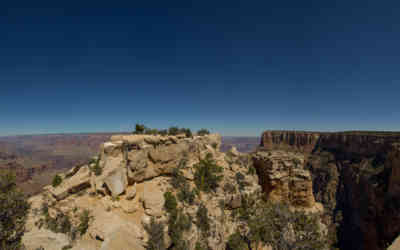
x=356, y=176
x=128, y=193
x=284, y=179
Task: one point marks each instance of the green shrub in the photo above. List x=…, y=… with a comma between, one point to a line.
x=229, y=188
x=177, y=179
x=84, y=219
x=149, y=131
x=176, y=226
x=251, y=170
x=186, y=195
x=267, y=221
x=173, y=131
x=240, y=180
x=202, y=220
x=163, y=132
x=13, y=212
x=170, y=202
x=188, y=132
x=61, y=223
x=45, y=209
x=64, y=223
x=236, y=242
x=139, y=128
x=96, y=169
x=203, y=131
x=156, y=235
x=178, y=222
x=201, y=246
x=57, y=180
x=206, y=174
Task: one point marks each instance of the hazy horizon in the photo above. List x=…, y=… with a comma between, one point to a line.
x=234, y=67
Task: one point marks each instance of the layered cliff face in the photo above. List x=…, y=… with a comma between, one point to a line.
x=362, y=143
x=24, y=175
x=284, y=179
x=289, y=140
x=356, y=177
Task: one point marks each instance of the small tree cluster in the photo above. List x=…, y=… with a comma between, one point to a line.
x=178, y=222
x=170, y=203
x=174, y=130
x=201, y=246
x=237, y=242
x=177, y=179
x=240, y=180
x=61, y=223
x=84, y=219
x=229, y=188
x=179, y=182
x=206, y=176
x=57, y=180
x=156, y=235
x=139, y=129
x=270, y=223
x=251, y=170
x=202, y=220
x=96, y=169
x=177, y=225
x=203, y=131
x=13, y=213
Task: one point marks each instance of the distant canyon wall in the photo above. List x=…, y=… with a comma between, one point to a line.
x=356, y=175
x=363, y=143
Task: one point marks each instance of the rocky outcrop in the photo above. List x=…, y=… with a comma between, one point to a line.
x=355, y=176
x=71, y=185
x=284, y=179
x=127, y=193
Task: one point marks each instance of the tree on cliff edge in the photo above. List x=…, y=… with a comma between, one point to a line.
x=13, y=212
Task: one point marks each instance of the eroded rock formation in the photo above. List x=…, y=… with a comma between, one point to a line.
x=284, y=178
x=356, y=177
x=127, y=193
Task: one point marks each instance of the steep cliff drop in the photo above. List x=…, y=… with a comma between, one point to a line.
x=356, y=176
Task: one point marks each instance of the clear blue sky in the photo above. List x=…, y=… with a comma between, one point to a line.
x=236, y=67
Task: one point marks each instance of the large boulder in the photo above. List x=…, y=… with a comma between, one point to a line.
x=79, y=181
x=131, y=192
x=113, y=174
x=44, y=238
x=105, y=224
x=152, y=162
x=153, y=200
x=116, y=181
x=168, y=153
x=122, y=239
